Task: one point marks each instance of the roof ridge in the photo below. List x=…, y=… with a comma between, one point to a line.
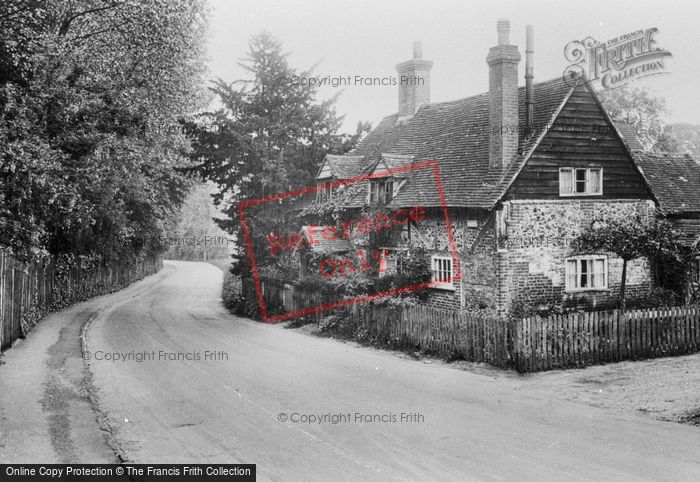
x=469, y=97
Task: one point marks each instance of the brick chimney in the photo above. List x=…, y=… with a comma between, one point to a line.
x=503, y=62
x=414, y=83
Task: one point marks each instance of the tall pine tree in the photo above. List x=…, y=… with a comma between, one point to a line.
x=269, y=136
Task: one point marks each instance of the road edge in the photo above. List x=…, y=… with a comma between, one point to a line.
x=102, y=416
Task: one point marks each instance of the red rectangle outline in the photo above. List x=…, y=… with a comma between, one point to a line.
x=359, y=299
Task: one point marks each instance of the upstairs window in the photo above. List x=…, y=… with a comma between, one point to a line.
x=324, y=194
x=587, y=273
x=442, y=272
x=381, y=191
x=580, y=181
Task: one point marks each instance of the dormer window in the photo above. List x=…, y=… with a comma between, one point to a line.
x=381, y=191
x=587, y=181
x=324, y=193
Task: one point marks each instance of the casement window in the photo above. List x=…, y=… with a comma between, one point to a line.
x=442, y=272
x=381, y=191
x=324, y=194
x=587, y=273
x=696, y=270
x=580, y=181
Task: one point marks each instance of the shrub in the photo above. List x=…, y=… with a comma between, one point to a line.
x=337, y=324
x=525, y=306
x=657, y=298
x=233, y=299
x=476, y=303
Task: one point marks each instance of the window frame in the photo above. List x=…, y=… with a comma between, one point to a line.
x=443, y=285
x=324, y=194
x=587, y=181
x=390, y=260
x=382, y=187
x=579, y=272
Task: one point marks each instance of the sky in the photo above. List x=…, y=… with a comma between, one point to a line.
x=368, y=38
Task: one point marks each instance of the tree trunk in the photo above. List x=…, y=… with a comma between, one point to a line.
x=623, y=285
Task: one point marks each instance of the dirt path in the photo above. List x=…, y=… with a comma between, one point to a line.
x=663, y=388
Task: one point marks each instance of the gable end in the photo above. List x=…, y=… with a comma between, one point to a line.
x=581, y=136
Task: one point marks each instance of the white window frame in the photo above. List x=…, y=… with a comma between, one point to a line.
x=572, y=172
x=573, y=280
x=442, y=264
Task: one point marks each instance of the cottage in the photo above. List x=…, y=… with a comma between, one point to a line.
x=521, y=170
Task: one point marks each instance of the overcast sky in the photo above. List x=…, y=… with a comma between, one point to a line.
x=369, y=37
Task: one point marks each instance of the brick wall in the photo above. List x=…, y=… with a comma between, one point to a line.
x=414, y=85
x=503, y=62
x=474, y=236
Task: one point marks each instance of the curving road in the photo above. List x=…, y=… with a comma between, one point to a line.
x=466, y=426
x=227, y=409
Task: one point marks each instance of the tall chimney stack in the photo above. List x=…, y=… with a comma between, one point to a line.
x=503, y=62
x=529, y=77
x=414, y=83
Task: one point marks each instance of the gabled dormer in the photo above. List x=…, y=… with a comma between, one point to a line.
x=386, y=178
x=335, y=168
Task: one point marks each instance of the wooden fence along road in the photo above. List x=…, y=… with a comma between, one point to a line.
x=30, y=290
x=527, y=345
x=580, y=339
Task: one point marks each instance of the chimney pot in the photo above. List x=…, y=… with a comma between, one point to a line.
x=417, y=50
x=503, y=28
x=414, y=83
x=529, y=75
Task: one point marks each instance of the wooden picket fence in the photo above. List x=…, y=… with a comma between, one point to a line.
x=446, y=333
x=282, y=297
x=579, y=339
x=29, y=290
x=527, y=345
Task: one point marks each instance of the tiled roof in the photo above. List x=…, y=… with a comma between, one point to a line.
x=456, y=134
x=325, y=246
x=346, y=166
x=394, y=161
x=674, y=179
x=629, y=136
x=689, y=229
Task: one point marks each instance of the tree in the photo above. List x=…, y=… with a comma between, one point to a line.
x=629, y=238
x=90, y=104
x=195, y=236
x=686, y=138
x=644, y=112
x=269, y=136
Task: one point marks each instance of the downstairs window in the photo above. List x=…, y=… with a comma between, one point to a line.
x=587, y=273
x=442, y=272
